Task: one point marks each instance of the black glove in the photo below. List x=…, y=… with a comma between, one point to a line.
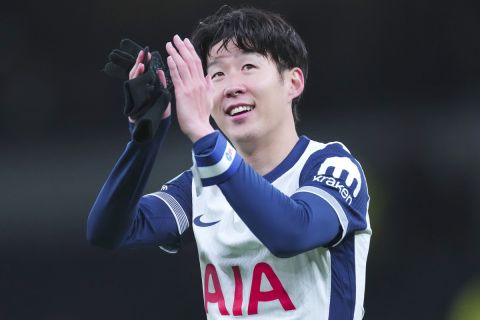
x=121, y=61
x=145, y=97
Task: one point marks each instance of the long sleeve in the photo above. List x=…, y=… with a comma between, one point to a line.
x=286, y=225
x=118, y=216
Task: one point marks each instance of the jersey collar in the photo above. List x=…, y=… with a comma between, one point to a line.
x=289, y=161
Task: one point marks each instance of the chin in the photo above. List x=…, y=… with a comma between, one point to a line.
x=242, y=136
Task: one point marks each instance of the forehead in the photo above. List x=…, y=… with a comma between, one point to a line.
x=219, y=53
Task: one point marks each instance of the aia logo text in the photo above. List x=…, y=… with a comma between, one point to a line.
x=213, y=294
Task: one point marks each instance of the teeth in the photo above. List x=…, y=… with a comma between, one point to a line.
x=239, y=109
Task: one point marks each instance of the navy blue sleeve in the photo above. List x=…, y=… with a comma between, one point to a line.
x=286, y=225
x=334, y=175
x=120, y=215
x=164, y=216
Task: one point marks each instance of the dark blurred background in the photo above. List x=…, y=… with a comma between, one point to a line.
x=397, y=81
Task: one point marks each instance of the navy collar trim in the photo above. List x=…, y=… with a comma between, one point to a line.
x=289, y=161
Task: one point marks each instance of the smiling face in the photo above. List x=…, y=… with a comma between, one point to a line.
x=252, y=100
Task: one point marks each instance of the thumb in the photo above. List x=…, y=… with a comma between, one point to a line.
x=161, y=76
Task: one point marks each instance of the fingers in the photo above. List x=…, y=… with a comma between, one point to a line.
x=138, y=71
x=190, y=57
x=179, y=62
x=174, y=74
x=183, y=62
x=195, y=58
x=185, y=58
x=140, y=57
x=163, y=81
x=138, y=67
x=162, y=77
x=181, y=47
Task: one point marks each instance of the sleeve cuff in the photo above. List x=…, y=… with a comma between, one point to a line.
x=214, y=160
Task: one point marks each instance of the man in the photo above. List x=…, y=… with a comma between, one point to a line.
x=280, y=221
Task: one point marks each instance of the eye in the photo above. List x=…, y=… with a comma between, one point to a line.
x=217, y=74
x=248, y=66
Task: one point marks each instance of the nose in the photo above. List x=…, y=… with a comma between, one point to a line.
x=234, y=91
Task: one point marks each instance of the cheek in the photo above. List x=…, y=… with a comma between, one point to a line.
x=267, y=83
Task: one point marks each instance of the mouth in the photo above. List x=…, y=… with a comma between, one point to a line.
x=240, y=109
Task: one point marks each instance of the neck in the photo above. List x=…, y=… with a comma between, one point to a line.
x=268, y=152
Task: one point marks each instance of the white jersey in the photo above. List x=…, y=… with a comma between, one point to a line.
x=242, y=279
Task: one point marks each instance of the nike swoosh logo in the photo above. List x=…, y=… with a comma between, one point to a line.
x=200, y=223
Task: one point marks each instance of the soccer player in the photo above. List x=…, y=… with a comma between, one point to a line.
x=280, y=221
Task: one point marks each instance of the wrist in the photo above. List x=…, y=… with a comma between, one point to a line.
x=214, y=159
x=199, y=133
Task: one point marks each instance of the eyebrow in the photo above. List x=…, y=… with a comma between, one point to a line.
x=214, y=62
x=217, y=60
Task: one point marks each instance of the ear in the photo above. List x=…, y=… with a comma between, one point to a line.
x=296, y=82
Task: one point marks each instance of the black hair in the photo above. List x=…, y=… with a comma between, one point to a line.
x=253, y=30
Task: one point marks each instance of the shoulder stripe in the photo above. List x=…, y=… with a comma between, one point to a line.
x=168, y=249
x=175, y=208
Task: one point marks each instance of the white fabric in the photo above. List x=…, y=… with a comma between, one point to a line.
x=306, y=277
